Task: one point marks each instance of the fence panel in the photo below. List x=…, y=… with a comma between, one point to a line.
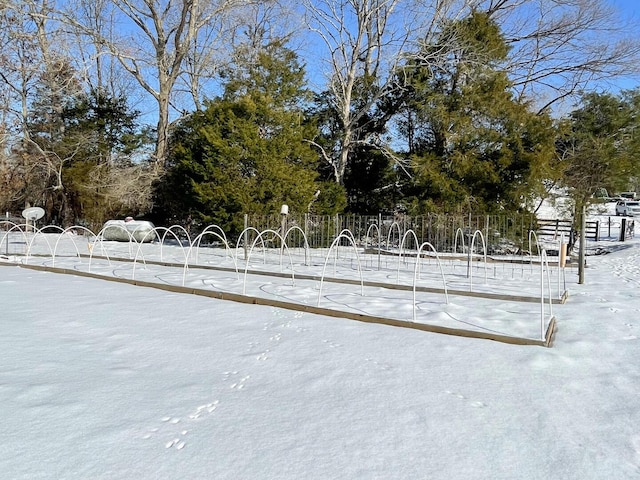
x=502, y=233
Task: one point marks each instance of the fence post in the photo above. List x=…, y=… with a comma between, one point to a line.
x=246, y=225
x=486, y=234
x=623, y=230
x=379, y=238
x=583, y=245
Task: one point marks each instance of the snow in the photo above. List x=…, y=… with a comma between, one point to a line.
x=106, y=380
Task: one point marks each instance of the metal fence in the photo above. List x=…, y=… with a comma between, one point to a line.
x=501, y=233
x=505, y=234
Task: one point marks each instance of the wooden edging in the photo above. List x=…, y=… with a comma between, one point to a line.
x=234, y=297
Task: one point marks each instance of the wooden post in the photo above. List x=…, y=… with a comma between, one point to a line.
x=379, y=237
x=246, y=238
x=583, y=245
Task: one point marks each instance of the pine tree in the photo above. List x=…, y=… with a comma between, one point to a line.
x=474, y=147
x=600, y=147
x=246, y=152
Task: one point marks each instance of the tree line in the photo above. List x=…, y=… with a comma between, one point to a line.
x=192, y=113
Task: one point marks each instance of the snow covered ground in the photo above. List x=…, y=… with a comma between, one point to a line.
x=100, y=380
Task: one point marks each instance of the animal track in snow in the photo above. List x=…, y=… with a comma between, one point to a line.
x=383, y=366
x=238, y=385
x=177, y=442
x=173, y=420
x=630, y=336
x=204, y=409
x=475, y=404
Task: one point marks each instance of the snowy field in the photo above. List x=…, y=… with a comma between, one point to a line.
x=101, y=380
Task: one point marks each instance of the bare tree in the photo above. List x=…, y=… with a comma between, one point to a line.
x=366, y=42
x=153, y=43
x=359, y=40
x=557, y=49
x=32, y=62
x=560, y=48
x=26, y=52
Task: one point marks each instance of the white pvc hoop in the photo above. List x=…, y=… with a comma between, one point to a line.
x=241, y=236
x=543, y=262
x=17, y=227
x=416, y=273
x=67, y=232
x=306, y=243
x=415, y=237
x=397, y=225
x=351, y=239
x=36, y=232
x=199, y=238
x=373, y=225
x=484, y=246
x=170, y=230
x=212, y=229
x=246, y=268
x=531, y=232
x=455, y=241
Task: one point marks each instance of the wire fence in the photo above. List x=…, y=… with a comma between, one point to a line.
x=501, y=233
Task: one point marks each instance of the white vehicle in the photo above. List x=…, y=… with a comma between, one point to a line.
x=127, y=230
x=628, y=208
x=628, y=195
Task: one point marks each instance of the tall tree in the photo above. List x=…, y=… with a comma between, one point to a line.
x=32, y=50
x=106, y=177
x=77, y=142
x=599, y=148
x=363, y=43
x=245, y=153
x=561, y=48
x=474, y=146
x=158, y=41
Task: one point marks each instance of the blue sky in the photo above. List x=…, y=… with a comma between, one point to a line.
x=630, y=11
x=630, y=6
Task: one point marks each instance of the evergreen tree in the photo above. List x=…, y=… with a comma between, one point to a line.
x=107, y=140
x=246, y=152
x=75, y=140
x=600, y=146
x=371, y=183
x=473, y=146
x=369, y=176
